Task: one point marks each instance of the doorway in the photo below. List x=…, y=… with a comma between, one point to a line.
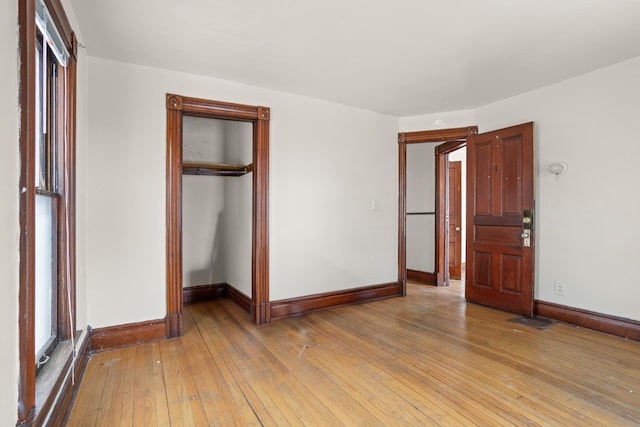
x=449, y=140
x=179, y=107
x=500, y=213
x=456, y=212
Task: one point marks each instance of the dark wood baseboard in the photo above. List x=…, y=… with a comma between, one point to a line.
x=61, y=408
x=239, y=298
x=201, y=293
x=619, y=326
x=301, y=305
x=142, y=332
x=126, y=335
x=155, y=330
x=421, y=277
x=194, y=294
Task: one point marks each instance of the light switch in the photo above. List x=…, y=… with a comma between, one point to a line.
x=375, y=205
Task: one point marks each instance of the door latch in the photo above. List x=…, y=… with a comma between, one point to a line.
x=527, y=226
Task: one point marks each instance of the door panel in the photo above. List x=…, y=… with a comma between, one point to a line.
x=500, y=187
x=497, y=235
x=511, y=177
x=511, y=272
x=483, y=179
x=482, y=269
x=455, y=220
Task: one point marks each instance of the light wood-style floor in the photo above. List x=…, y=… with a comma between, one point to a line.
x=427, y=359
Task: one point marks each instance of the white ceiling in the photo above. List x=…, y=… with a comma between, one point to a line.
x=400, y=57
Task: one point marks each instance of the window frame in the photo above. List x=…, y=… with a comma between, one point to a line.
x=49, y=162
x=32, y=410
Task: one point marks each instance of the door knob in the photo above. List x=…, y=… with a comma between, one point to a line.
x=458, y=229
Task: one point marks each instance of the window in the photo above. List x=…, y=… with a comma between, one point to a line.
x=49, y=192
x=47, y=200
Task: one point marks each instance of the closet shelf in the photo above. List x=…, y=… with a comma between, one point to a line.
x=215, y=169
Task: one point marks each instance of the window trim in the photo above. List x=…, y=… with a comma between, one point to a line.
x=27, y=411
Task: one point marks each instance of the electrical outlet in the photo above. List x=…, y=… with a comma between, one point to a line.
x=558, y=288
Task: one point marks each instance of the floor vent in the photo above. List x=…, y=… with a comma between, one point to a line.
x=534, y=322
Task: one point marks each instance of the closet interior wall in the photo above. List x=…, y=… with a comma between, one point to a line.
x=217, y=210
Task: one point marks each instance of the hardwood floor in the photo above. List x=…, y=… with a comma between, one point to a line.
x=427, y=359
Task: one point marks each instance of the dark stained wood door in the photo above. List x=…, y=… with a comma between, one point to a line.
x=499, y=189
x=455, y=220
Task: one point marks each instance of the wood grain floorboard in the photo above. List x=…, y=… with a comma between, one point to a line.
x=451, y=372
x=86, y=409
x=427, y=359
x=150, y=399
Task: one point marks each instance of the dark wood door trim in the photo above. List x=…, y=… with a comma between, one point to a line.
x=442, y=186
x=26, y=309
x=177, y=107
x=260, y=306
x=453, y=139
x=174, y=217
x=402, y=213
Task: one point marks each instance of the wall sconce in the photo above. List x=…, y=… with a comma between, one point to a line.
x=558, y=168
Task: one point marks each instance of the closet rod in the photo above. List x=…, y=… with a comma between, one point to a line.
x=215, y=169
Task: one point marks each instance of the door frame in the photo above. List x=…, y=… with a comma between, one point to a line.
x=442, y=186
x=178, y=106
x=452, y=139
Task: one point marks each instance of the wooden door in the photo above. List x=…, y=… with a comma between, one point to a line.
x=455, y=220
x=500, y=186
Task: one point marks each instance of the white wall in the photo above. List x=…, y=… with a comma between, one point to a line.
x=238, y=213
x=449, y=119
x=237, y=217
x=82, y=188
x=328, y=162
x=588, y=235
x=203, y=140
x=203, y=251
x=82, y=152
x=9, y=221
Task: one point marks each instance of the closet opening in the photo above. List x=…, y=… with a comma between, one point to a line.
x=217, y=167
x=217, y=205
